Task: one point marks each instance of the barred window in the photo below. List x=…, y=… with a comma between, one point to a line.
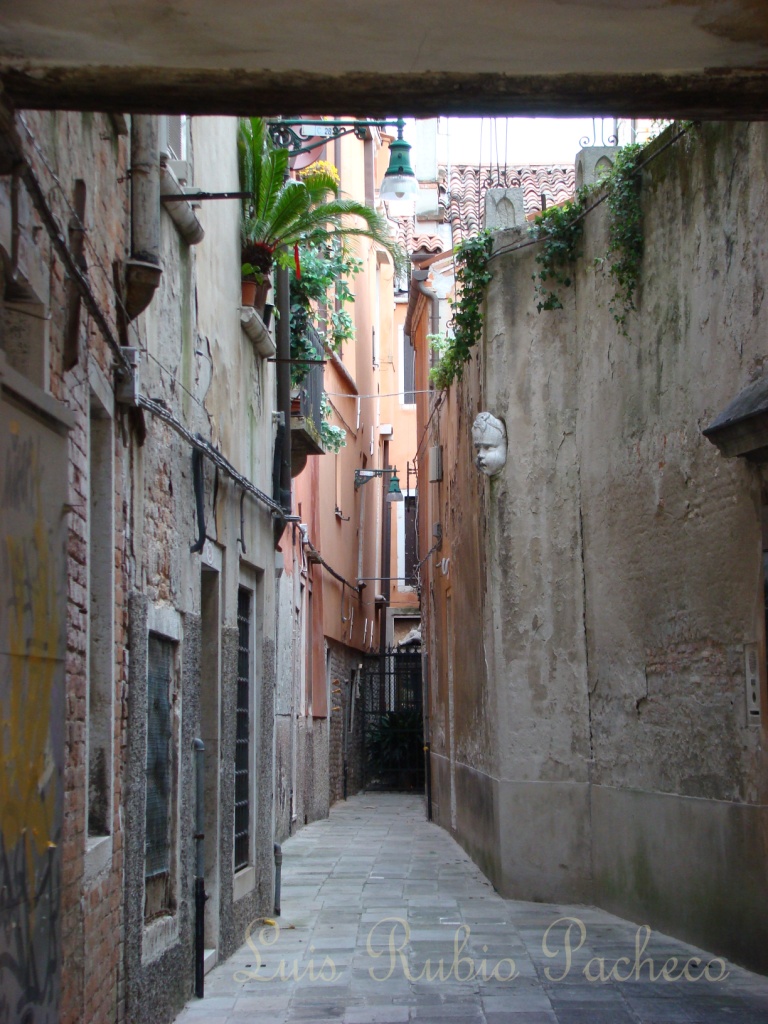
x=159, y=774
x=409, y=371
x=101, y=639
x=173, y=135
x=411, y=540
x=243, y=731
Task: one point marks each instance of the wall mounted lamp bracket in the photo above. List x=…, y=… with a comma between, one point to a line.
x=284, y=134
x=362, y=476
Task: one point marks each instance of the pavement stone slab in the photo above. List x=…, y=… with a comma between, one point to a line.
x=387, y=921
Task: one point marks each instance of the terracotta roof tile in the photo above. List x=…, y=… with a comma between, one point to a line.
x=462, y=192
x=405, y=232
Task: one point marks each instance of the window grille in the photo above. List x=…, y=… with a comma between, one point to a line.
x=369, y=161
x=392, y=722
x=172, y=130
x=409, y=371
x=158, y=812
x=411, y=540
x=243, y=731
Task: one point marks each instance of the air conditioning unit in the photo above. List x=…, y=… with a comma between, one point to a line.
x=436, y=464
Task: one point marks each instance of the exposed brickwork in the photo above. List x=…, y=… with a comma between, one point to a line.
x=344, y=662
x=62, y=148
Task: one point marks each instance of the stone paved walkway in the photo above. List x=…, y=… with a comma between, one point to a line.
x=385, y=920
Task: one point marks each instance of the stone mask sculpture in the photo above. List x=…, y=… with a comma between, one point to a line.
x=489, y=436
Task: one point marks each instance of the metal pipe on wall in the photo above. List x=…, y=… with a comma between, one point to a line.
x=278, y=850
x=200, y=897
x=181, y=212
x=143, y=270
x=284, y=382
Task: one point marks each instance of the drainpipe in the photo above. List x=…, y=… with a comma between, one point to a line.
x=418, y=287
x=180, y=210
x=386, y=550
x=284, y=384
x=278, y=876
x=427, y=740
x=143, y=270
x=200, y=897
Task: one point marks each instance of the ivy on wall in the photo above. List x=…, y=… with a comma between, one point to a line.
x=466, y=324
x=333, y=438
x=625, y=240
x=560, y=229
x=559, y=232
x=319, y=290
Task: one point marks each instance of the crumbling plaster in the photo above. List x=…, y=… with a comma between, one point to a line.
x=393, y=39
x=662, y=56
x=624, y=565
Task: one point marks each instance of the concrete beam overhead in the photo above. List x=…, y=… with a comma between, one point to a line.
x=705, y=59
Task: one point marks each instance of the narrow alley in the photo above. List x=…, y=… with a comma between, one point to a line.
x=386, y=920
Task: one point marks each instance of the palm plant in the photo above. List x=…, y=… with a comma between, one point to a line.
x=283, y=212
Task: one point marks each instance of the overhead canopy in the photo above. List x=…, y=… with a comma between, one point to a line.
x=705, y=58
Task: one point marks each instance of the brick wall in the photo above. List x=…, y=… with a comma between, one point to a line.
x=344, y=662
x=62, y=148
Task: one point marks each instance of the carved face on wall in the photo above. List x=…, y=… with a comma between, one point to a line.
x=489, y=436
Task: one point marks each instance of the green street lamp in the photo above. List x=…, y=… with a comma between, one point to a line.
x=399, y=183
x=362, y=476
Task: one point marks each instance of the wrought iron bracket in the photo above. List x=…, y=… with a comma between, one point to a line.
x=284, y=135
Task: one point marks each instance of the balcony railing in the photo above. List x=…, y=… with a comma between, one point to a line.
x=306, y=412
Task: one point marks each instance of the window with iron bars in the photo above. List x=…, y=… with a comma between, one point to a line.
x=411, y=540
x=159, y=814
x=243, y=731
x=409, y=371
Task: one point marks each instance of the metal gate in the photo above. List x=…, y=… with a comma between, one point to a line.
x=393, y=731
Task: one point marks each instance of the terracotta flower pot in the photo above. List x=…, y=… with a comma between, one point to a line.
x=248, y=291
x=254, y=294
x=262, y=294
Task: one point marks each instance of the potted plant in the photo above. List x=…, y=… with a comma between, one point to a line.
x=319, y=295
x=283, y=212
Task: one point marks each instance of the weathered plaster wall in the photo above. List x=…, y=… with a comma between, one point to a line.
x=462, y=708
x=310, y=752
x=301, y=740
x=670, y=56
x=158, y=972
x=345, y=733
x=672, y=543
x=79, y=917
x=136, y=547
x=202, y=365
x=624, y=566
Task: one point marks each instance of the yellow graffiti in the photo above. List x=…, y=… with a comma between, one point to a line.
x=27, y=783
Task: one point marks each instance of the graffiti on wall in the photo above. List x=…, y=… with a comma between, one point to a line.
x=31, y=717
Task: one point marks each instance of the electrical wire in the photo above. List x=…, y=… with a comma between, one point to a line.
x=37, y=196
x=131, y=326
x=78, y=221
x=479, y=172
x=514, y=246
x=317, y=558
x=176, y=380
x=389, y=394
x=206, y=448
x=435, y=408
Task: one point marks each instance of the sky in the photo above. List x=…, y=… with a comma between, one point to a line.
x=516, y=139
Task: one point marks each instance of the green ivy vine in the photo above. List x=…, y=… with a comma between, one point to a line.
x=332, y=438
x=560, y=230
x=466, y=323
x=625, y=238
x=319, y=294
